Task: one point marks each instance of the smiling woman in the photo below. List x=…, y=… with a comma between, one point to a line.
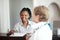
x=25, y=26
x=15, y=8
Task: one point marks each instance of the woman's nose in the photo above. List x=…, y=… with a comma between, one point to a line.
x=23, y=16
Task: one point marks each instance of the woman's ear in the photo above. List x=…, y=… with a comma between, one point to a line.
x=36, y=18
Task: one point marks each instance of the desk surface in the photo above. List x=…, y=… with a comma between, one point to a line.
x=3, y=36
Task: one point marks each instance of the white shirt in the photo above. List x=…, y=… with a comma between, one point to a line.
x=20, y=28
x=42, y=31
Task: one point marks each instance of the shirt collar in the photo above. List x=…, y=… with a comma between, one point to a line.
x=29, y=23
x=41, y=23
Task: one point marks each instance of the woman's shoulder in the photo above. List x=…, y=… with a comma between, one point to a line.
x=17, y=24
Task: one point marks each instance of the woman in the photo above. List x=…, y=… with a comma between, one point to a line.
x=24, y=26
x=42, y=28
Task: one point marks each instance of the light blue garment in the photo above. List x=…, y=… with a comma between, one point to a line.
x=49, y=25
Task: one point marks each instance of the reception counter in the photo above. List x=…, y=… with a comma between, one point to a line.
x=3, y=36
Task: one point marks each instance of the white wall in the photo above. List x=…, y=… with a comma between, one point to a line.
x=5, y=21
x=15, y=8
x=45, y=2
x=1, y=11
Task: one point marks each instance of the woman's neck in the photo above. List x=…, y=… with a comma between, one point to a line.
x=25, y=24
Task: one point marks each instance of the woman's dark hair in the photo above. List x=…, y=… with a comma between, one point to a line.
x=28, y=10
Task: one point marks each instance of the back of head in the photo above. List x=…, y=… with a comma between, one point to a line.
x=42, y=11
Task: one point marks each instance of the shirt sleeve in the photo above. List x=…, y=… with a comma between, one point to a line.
x=16, y=28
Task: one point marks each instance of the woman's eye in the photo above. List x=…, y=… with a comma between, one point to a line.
x=25, y=15
x=21, y=15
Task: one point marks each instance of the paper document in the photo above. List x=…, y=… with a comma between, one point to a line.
x=17, y=35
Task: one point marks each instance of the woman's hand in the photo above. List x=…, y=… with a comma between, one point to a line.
x=28, y=36
x=11, y=32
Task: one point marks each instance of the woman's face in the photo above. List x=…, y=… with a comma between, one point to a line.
x=36, y=18
x=24, y=16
